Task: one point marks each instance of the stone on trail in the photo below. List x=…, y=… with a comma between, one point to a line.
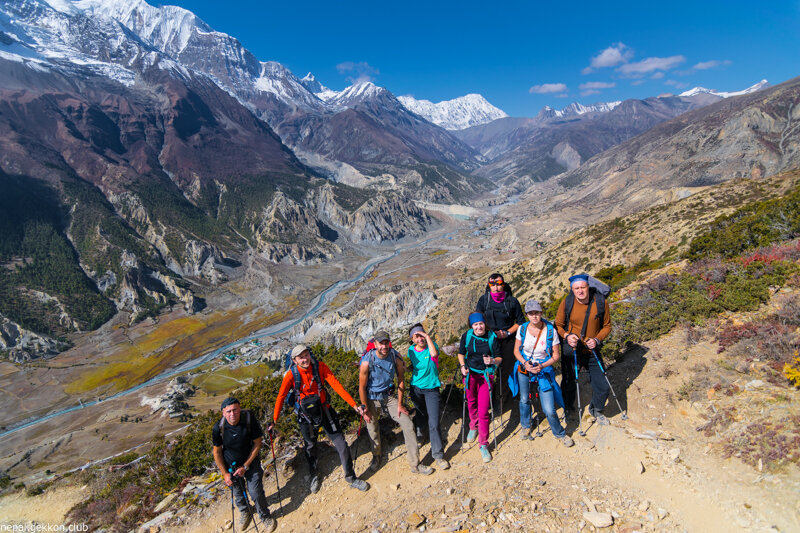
x=674, y=454
x=598, y=519
x=640, y=467
x=415, y=520
x=468, y=503
x=165, y=502
x=228, y=524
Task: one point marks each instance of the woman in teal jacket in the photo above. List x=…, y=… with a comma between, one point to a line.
x=424, y=356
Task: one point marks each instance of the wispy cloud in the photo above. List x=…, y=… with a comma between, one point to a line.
x=610, y=57
x=357, y=72
x=705, y=65
x=676, y=84
x=548, y=88
x=651, y=64
x=657, y=76
x=594, y=87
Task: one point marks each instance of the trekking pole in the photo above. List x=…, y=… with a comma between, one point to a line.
x=233, y=516
x=597, y=357
x=452, y=384
x=243, y=486
x=500, y=387
x=464, y=417
x=491, y=407
x=275, y=464
x=538, y=431
x=581, y=432
x=358, y=435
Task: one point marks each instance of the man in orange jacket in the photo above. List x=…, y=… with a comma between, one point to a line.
x=308, y=377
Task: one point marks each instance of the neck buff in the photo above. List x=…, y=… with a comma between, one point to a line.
x=498, y=297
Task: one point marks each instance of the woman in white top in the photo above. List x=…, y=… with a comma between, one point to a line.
x=537, y=349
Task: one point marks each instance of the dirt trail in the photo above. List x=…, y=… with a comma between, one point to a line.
x=543, y=485
x=685, y=486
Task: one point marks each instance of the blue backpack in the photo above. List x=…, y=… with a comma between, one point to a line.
x=546, y=378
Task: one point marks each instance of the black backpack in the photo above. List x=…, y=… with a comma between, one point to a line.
x=248, y=417
x=598, y=291
x=310, y=407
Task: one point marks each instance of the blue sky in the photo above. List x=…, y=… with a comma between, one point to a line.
x=521, y=55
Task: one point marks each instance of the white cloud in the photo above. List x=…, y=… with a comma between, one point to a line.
x=637, y=82
x=593, y=87
x=676, y=84
x=705, y=65
x=597, y=85
x=610, y=57
x=358, y=72
x=645, y=66
x=547, y=88
x=657, y=76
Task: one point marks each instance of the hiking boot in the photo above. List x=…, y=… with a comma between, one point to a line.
x=269, y=524
x=472, y=435
x=525, y=434
x=442, y=462
x=422, y=469
x=360, y=484
x=486, y=454
x=313, y=485
x=244, y=520
x=567, y=441
x=375, y=464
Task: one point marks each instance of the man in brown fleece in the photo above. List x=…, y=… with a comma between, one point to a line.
x=584, y=330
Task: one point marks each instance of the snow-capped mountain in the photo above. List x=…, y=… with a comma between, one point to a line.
x=763, y=84
x=457, y=114
x=575, y=109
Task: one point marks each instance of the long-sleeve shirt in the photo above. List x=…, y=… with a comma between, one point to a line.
x=309, y=387
x=594, y=329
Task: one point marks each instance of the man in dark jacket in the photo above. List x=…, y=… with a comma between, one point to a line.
x=237, y=442
x=503, y=316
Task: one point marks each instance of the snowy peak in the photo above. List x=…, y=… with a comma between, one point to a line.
x=702, y=90
x=457, y=114
x=575, y=109
x=357, y=93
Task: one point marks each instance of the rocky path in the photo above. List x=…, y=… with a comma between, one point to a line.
x=612, y=476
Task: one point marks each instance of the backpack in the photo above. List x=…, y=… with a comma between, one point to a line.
x=471, y=337
x=247, y=422
x=598, y=291
x=293, y=398
x=523, y=329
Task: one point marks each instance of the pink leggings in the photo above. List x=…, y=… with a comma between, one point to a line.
x=478, y=403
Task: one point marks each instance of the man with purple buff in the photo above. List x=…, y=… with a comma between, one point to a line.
x=479, y=356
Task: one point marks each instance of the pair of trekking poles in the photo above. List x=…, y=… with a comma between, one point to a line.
x=243, y=485
x=464, y=405
x=581, y=432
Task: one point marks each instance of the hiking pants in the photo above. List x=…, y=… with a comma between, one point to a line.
x=547, y=399
x=334, y=432
x=255, y=488
x=507, y=366
x=427, y=403
x=600, y=388
x=478, y=405
x=389, y=406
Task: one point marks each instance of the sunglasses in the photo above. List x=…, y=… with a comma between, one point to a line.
x=498, y=282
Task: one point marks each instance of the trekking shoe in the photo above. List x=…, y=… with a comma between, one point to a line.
x=486, y=454
x=360, y=484
x=269, y=524
x=567, y=441
x=375, y=464
x=313, y=486
x=443, y=464
x=472, y=435
x=525, y=434
x=422, y=469
x=244, y=520
x=601, y=419
x=569, y=414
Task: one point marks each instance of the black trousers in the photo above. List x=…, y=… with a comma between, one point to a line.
x=600, y=388
x=330, y=424
x=255, y=488
x=507, y=366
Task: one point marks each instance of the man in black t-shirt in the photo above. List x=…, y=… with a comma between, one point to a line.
x=237, y=442
x=503, y=316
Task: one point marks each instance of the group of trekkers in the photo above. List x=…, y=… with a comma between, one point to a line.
x=503, y=353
